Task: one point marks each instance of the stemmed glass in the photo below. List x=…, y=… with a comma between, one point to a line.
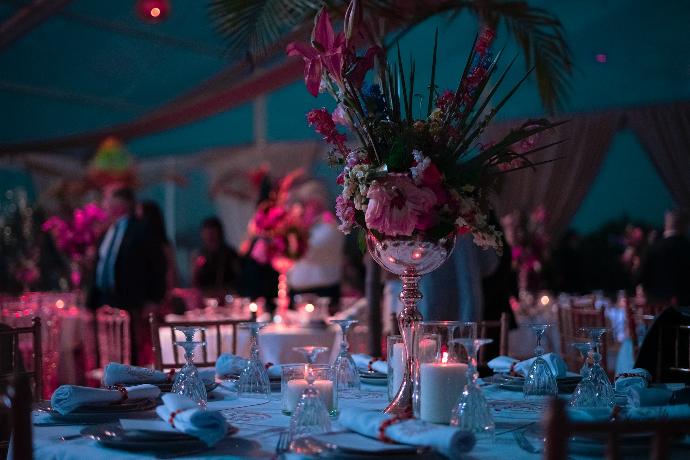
x=584, y=348
x=471, y=412
x=346, y=370
x=540, y=380
x=254, y=382
x=311, y=414
x=188, y=382
x=595, y=390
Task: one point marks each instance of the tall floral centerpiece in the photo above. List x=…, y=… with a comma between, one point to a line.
x=77, y=238
x=278, y=236
x=417, y=174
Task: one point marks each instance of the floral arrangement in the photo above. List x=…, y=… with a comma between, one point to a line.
x=529, y=242
x=77, y=238
x=278, y=232
x=413, y=172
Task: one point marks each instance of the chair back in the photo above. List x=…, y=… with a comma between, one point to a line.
x=676, y=360
x=483, y=328
x=12, y=364
x=113, y=336
x=15, y=413
x=215, y=329
x=558, y=429
x=570, y=322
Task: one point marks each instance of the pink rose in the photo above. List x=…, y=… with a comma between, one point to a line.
x=345, y=211
x=396, y=205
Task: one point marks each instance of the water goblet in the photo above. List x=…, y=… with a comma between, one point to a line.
x=471, y=412
x=539, y=380
x=254, y=382
x=346, y=370
x=584, y=348
x=595, y=390
x=188, y=382
x=311, y=414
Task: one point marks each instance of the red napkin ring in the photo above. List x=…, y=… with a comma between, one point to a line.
x=171, y=419
x=267, y=365
x=372, y=361
x=171, y=375
x=389, y=422
x=123, y=390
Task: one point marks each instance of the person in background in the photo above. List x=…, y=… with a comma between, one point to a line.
x=217, y=267
x=665, y=268
x=150, y=213
x=130, y=266
x=320, y=271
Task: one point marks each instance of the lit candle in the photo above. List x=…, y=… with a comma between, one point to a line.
x=398, y=365
x=440, y=386
x=427, y=350
x=295, y=390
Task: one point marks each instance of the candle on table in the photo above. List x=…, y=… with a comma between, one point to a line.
x=398, y=365
x=427, y=350
x=295, y=390
x=440, y=386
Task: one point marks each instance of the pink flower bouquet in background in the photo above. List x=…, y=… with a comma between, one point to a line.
x=278, y=232
x=412, y=169
x=77, y=238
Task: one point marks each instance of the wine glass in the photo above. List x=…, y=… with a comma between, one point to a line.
x=188, y=382
x=540, y=380
x=254, y=382
x=471, y=412
x=584, y=348
x=595, y=390
x=346, y=370
x=311, y=414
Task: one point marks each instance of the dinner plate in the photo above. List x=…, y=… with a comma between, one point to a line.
x=349, y=445
x=566, y=384
x=114, y=436
x=167, y=387
x=100, y=412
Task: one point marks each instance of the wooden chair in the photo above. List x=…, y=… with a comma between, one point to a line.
x=16, y=419
x=570, y=322
x=674, y=361
x=503, y=344
x=12, y=365
x=157, y=326
x=113, y=335
x=558, y=429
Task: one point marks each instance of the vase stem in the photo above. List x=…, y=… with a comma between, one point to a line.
x=283, y=298
x=408, y=321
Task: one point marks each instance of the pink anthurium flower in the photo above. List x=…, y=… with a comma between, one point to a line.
x=324, y=53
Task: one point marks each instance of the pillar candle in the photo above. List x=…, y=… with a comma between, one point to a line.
x=295, y=390
x=427, y=350
x=440, y=386
x=398, y=365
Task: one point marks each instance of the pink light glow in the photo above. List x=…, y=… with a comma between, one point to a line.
x=601, y=58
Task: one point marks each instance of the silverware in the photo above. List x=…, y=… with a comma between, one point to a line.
x=69, y=438
x=517, y=428
x=524, y=443
x=283, y=444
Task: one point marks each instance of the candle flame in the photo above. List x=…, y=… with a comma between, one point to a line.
x=444, y=359
x=309, y=308
x=253, y=307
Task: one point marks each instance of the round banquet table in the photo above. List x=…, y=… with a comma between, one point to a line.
x=260, y=424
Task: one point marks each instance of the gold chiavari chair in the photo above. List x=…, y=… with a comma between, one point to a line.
x=483, y=328
x=217, y=326
x=15, y=413
x=559, y=428
x=12, y=366
x=570, y=322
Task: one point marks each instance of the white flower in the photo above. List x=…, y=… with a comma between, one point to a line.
x=422, y=163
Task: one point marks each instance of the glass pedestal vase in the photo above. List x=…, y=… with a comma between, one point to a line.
x=409, y=258
x=282, y=265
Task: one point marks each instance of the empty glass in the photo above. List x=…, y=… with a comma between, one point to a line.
x=540, y=380
x=584, y=348
x=254, y=381
x=311, y=415
x=595, y=390
x=346, y=370
x=471, y=412
x=188, y=382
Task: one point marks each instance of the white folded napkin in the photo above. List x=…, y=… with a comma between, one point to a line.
x=124, y=373
x=186, y=416
x=554, y=361
x=67, y=398
x=634, y=378
x=362, y=362
x=229, y=364
x=501, y=364
x=448, y=441
x=637, y=413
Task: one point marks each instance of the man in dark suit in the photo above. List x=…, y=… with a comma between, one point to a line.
x=130, y=265
x=665, y=269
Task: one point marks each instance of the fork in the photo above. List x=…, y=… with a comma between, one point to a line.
x=283, y=444
x=524, y=443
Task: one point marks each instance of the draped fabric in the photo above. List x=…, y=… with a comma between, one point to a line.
x=559, y=186
x=665, y=135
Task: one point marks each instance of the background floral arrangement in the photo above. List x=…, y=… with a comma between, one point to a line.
x=415, y=173
x=279, y=233
x=529, y=242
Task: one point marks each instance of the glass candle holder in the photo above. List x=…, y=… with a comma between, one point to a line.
x=441, y=372
x=395, y=350
x=293, y=382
